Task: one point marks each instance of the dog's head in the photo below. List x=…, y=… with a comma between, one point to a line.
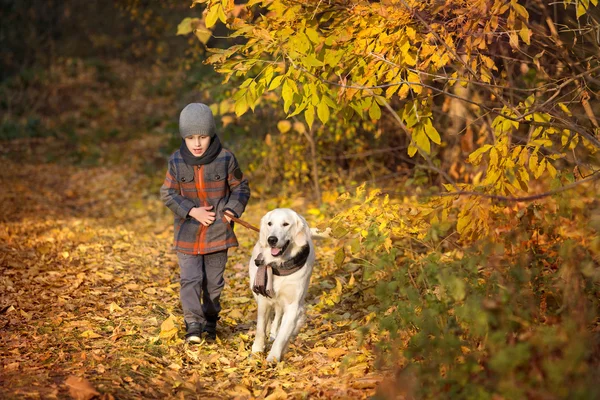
x=281, y=227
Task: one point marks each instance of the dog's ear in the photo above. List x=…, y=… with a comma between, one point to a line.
x=262, y=236
x=301, y=231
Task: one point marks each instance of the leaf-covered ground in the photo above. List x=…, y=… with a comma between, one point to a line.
x=89, y=301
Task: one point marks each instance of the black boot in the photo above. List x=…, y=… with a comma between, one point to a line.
x=211, y=328
x=193, y=330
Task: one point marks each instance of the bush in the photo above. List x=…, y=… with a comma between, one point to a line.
x=513, y=315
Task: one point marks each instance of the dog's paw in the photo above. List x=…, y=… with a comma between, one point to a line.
x=272, y=337
x=272, y=358
x=258, y=347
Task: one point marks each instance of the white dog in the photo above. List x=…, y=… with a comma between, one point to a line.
x=280, y=268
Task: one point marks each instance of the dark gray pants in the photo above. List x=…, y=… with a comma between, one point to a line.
x=201, y=277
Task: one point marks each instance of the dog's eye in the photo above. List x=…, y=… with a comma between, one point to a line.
x=269, y=223
x=285, y=224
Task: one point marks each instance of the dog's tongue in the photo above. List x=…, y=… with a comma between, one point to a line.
x=275, y=251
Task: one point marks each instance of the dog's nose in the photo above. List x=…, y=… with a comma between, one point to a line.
x=272, y=240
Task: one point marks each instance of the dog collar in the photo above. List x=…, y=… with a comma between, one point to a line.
x=263, y=282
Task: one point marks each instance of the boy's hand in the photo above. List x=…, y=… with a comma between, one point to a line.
x=202, y=215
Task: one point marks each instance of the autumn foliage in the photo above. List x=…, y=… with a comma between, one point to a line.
x=451, y=146
x=486, y=266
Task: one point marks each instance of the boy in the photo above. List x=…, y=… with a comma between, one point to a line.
x=203, y=180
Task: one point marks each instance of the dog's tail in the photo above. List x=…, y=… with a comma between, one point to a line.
x=318, y=234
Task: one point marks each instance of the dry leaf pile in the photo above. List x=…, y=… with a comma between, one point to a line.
x=89, y=304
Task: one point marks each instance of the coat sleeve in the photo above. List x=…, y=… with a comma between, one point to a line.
x=170, y=194
x=238, y=185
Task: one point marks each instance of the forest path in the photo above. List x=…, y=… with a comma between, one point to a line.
x=89, y=289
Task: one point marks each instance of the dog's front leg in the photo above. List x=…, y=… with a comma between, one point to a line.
x=261, y=325
x=288, y=323
x=276, y=322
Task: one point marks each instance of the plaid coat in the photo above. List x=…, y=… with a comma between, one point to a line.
x=220, y=184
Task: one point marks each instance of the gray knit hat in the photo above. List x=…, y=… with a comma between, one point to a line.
x=196, y=119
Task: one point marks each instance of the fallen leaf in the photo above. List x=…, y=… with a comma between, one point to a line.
x=168, y=329
x=278, y=394
x=11, y=366
x=80, y=388
x=241, y=299
x=150, y=290
x=26, y=315
x=236, y=314
x=364, y=383
x=89, y=334
x=114, y=307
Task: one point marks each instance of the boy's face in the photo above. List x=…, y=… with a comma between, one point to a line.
x=197, y=144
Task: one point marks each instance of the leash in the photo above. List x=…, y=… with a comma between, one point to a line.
x=239, y=221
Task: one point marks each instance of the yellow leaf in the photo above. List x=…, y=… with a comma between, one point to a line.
x=463, y=221
x=336, y=353
x=525, y=34
x=475, y=157
x=26, y=315
x=551, y=169
x=276, y=82
x=168, y=329
x=212, y=15
x=240, y=299
x=241, y=106
x=114, y=307
x=278, y=394
x=323, y=112
x=522, y=11
x=236, y=314
x=513, y=40
x=309, y=115
x=493, y=157
x=431, y=132
x=375, y=111
x=89, y=334
x=387, y=244
x=339, y=257
x=412, y=149
x=533, y=164
x=186, y=26
x=421, y=139
x=299, y=127
x=284, y=126
x=351, y=281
